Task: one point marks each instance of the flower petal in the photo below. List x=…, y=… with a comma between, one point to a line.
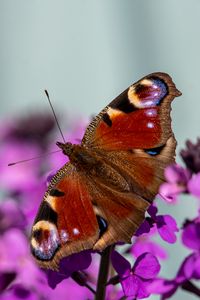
x=144, y=228
x=146, y=266
x=196, y=273
x=186, y=269
x=68, y=265
x=170, y=191
x=131, y=285
x=134, y=287
x=143, y=245
x=167, y=227
x=162, y=286
x=176, y=173
x=191, y=236
x=120, y=264
x=152, y=210
x=194, y=185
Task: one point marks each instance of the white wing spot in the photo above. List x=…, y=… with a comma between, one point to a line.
x=76, y=231
x=150, y=125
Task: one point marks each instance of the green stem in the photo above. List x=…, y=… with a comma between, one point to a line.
x=103, y=274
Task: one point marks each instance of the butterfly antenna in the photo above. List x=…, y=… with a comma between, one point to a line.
x=47, y=94
x=33, y=158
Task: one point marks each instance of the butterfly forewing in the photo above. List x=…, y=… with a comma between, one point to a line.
x=139, y=118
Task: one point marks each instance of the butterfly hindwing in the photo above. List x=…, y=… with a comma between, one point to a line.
x=122, y=211
x=142, y=169
x=66, y=222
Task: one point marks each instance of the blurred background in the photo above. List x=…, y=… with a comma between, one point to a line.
x=85, y=52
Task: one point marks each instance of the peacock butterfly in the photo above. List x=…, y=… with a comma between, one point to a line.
x=101, y=195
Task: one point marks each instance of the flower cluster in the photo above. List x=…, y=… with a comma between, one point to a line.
x=22, y=188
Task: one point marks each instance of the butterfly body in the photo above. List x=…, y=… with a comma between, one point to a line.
x=92, y=165
x=101, y=195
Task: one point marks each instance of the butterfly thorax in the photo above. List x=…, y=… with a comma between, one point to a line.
x=78, y=155
x=88, y=161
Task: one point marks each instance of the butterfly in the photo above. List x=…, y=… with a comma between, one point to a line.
x=100, y=197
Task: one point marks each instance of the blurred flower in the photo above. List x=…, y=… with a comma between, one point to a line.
x=143, y=244
x=191, y=235
x=135, y=280
x=15, y=258
x=177, y=178
x=5, y=279
x=11, y=215
x=194, y=185
x=20, y=177
x=191, y=156
x=189, y=269
x=32, y=129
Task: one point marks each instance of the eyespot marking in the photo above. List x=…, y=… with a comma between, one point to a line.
x=45, y=240
x=102, y=225
x=150, y=125
x=76, y=231
x=148, y=92
x=37, y=234
x=154, y=151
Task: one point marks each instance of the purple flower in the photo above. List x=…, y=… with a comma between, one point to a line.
x=68, y=266
x=135, y=280
x=194, y=185
x=15, y=259
x=69, y=290
x=177, y=178
x=22, y=176
x=188, y=270
x=165, y=225
x=32, y=129
x=191, y=235
x=11, y=215
x=144, y=244
x=145, y=227
x=190, y=267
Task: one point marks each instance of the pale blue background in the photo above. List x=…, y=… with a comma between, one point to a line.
x=85, y=52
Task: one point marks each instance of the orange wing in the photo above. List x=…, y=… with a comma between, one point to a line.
x=66, y=222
